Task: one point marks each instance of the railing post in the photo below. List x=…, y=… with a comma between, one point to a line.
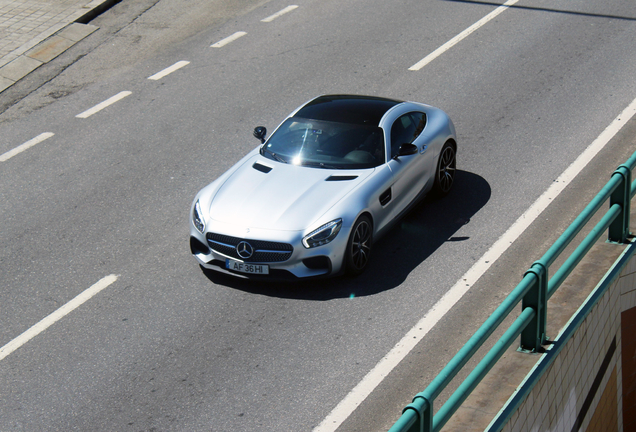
x=619, y=229
x=533, y=336
x=424, y=410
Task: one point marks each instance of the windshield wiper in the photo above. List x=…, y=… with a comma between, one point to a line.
x=274, y=155
x=320, y=165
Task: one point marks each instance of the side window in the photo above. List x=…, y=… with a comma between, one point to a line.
x=420, y=122
x=405, y=129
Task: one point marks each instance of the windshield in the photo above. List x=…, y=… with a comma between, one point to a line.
x=325, y=144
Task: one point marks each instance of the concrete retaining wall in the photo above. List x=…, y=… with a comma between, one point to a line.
x=587, y=379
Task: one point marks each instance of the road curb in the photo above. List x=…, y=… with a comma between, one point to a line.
x=44, y=48
x=97, y=7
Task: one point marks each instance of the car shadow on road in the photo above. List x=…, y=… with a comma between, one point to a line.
x=405, y=246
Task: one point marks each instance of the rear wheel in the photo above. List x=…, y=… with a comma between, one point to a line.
x=445, y=172
x=359, y=246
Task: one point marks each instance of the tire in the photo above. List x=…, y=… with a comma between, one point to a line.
x=359, y=246
x=445, y=170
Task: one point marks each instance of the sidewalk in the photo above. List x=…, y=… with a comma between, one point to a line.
x=33, y=32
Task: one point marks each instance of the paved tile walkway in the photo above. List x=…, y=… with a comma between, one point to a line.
x=33, y=32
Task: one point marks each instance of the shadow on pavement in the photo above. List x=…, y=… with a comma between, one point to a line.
x=405, y=246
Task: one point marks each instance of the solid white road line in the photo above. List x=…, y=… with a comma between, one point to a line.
x=454, y=41
x=56, y=316
x=119, y=96
x=279, y=13
x=360, y=392
x=228, y=39
x=19, y=149
x=167, y=71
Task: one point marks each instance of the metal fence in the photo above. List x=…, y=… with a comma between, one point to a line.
x=533, y=292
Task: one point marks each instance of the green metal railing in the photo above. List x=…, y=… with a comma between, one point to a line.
x=533, y=292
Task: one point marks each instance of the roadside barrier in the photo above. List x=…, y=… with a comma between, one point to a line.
x=533, y=292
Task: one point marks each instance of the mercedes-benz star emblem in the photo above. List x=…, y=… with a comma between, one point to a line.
x=244, y=250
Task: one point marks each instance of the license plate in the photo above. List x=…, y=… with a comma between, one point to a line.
x=246, y=267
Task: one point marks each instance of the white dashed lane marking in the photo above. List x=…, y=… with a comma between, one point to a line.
x=56, y=316
x=169, y=70
x=279, y=13
x=228, y=39
x=19, y=149
x=119, y=96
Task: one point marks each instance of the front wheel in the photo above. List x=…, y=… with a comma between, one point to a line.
x=445, y=172
x=359, y=246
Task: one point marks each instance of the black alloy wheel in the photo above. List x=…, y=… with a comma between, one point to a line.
x=445, y=173
x=359, y=246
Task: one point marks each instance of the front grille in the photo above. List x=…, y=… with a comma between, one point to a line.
x=264, y=251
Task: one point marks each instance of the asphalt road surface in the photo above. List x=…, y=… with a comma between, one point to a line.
x=162, y=346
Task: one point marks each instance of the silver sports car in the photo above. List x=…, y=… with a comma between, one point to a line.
x=312, y=198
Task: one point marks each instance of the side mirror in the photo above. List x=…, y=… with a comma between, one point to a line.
x=260, y=132
x=407, y=149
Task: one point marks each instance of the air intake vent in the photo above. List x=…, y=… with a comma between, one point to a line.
x=341, y=177
x=262, y=168
x=385, y=197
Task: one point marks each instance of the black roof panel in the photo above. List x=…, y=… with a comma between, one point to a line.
x=366, y=110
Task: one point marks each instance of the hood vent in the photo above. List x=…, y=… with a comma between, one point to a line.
x=341, y=177
x=262, y=168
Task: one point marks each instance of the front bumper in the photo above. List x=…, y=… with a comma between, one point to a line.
x=290, y=261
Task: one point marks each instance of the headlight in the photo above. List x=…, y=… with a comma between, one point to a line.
x=323, y=235
x=197, y=218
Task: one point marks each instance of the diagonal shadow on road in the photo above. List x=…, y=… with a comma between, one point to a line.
x=542, y=9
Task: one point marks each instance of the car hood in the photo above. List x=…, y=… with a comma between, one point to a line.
x=286, y=197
